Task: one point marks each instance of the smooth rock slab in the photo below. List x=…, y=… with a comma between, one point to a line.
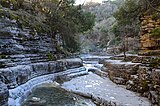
x=104, y=89
x=72, y=63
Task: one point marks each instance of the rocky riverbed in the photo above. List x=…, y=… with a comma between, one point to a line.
x=101, y=89
x=52, y=95
x=82, y=77
x=104, y=92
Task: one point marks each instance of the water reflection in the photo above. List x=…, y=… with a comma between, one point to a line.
x=53, y=96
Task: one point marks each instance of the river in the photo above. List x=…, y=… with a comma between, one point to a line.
x=99, y=90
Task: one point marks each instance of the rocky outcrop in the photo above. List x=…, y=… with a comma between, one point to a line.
x=120, y=72
x=150, y=35
x=19, y=52
x=18, y=94
x=146, y=82
x=25, y=55
x=13, y=77
x=139, y=77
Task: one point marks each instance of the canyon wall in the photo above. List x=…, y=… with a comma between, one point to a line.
x=24, y=56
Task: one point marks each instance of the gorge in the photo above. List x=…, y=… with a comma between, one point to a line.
x=56, y=53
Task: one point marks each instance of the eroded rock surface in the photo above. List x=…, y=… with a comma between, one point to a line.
x=103, y=91
x=119, y=70
x=139, y=75
x=24, y=56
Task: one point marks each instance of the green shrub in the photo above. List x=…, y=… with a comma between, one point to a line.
x=156, y=32
x=2, y=56
x=154, y=63
x=50, y=56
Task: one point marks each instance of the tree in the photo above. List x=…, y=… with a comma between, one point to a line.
x=52, y=17
x=127, y=17
x=68, y=21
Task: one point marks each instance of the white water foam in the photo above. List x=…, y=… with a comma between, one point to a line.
x=17, y=95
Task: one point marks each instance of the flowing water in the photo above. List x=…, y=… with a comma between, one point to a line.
x=91, y=84
x=55, y=96
x=49, y=95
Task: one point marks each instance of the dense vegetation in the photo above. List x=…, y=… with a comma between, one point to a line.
x=127, y=16
x=101, y=34
x=52, y=17
x=114, y=20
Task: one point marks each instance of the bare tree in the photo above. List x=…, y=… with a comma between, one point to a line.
x=150, y=3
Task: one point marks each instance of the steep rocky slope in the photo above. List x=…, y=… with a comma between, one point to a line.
x=138, y=75
x=150, y=32
x=24, y=56
x=101, y=36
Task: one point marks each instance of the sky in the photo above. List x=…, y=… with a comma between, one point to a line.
x=82, y=1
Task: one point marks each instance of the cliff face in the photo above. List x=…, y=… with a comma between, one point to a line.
x=19, y=48
x=150, y=36
x=15, y=40
x=137, y=75
x=24, y=56
x=19, y=53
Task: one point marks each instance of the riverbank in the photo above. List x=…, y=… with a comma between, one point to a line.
x=103, y=91
x=83, y=77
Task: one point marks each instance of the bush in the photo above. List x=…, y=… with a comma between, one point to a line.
x=156, y=32
x=154, y=62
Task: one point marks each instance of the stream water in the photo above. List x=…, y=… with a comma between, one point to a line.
x=53, y=96
x=90, y=84
x=49, y=95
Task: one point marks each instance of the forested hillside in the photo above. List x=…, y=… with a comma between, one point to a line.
x=118, y=24
x=34, y=34
x=101, y=36
x=56, y=53
x=59, y=19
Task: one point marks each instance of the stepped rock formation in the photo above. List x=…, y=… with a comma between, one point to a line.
x=137, y=75
x=150, y=36
x=24, y=56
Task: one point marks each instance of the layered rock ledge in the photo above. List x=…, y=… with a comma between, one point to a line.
x=25, y=56
x=137, y=75
x=104, y=92
x=23, y=78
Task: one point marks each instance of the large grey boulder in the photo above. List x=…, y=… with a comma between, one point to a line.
x=40, y=68
x=15, y=76
x=72, y=63
x=119, y=71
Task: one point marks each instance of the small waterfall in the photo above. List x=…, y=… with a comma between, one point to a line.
x=17, y=95
x=20, y=93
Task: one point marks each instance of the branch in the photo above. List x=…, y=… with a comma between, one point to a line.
x=84, y=3
x=58, y=5
x=153, y=6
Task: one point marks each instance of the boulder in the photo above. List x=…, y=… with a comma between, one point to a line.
x=72, y=63
x=119, y=71
x=15, y=76
x=40, y=68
